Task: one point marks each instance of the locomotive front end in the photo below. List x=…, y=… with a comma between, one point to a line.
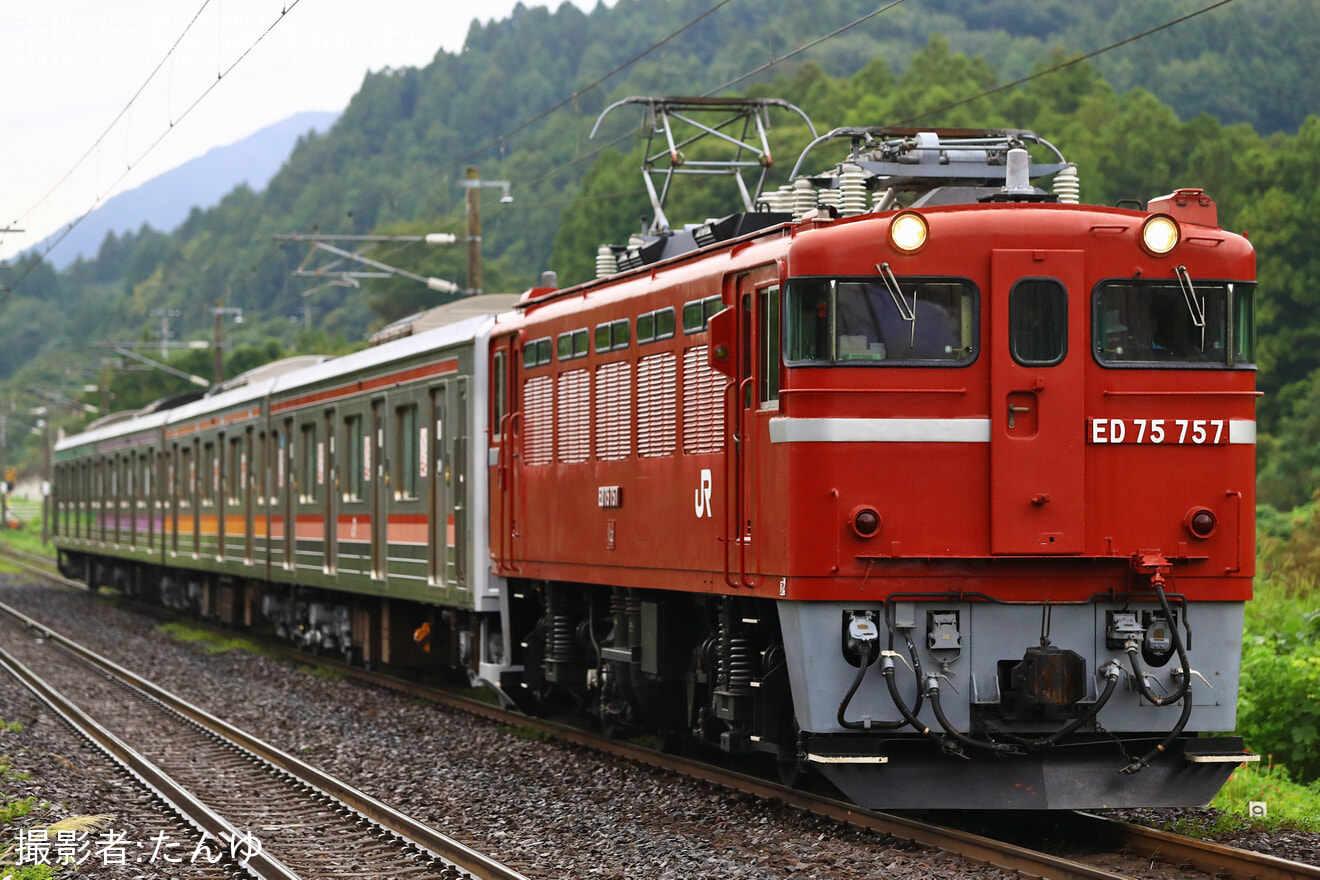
x=1017, y=440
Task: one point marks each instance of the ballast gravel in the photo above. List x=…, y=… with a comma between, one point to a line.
x=549, y=809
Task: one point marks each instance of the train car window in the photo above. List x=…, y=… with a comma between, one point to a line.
x=654, y=326
x=1243, y=331
x=573, y=344
x=498, y=401
x=697, y=313
x=354, y=458
x=768, y=317
x=866, y=322
x=307, y=464
x=184, y=478
x=694, y=318
x=405, y=483
x=235, y=471
x=1038, y=322
x=664, y=323
x=537, y=353
x=1172, y=324
x=612, y=336
x=210, y=475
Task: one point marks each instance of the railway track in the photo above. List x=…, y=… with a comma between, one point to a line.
x=1138, y=843
x=277, y=816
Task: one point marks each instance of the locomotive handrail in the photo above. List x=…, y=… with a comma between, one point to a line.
x=743, y=539
x=783, y=391
x=730, y=449
x=1223, y=393
x=1238, y=531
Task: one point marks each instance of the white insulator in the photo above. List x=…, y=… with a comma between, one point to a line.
x=635, y=241
x=786, y=195
x=606, y=264
x=804, y=197
x=831, y=198
x=852, y=190
x=1017, y=179
x=1068, y=186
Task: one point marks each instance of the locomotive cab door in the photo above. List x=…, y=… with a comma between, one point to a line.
x=1038, y=352
x=755, y=400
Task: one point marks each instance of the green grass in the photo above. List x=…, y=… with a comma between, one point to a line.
x=1279, y=699
x=1288, y=804
x=214, y=643
x=28, y=539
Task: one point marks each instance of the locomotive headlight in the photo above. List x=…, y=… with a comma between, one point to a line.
x=908, y=232
x=1159, y=234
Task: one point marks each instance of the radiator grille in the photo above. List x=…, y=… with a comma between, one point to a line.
x=614, y=411
x=703, y=404
x=573, y=417
x=657, y=379
x=538, y=421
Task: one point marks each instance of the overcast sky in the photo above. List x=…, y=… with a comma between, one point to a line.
x=68, y=67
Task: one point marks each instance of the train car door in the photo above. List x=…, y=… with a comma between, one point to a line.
x=330, y=562
x=440, y=544
x=380, y=504
x=288, y=495
x=248, y=466
x=1037, y=354
x=504, y=427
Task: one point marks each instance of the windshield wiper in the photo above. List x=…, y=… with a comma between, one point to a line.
x=1195, y=308
x=905, y=311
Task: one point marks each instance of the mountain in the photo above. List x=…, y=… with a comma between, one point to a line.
x=165, y=201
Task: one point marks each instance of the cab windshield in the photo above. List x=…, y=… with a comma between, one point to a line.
x=881, y=321
x=1184, y=323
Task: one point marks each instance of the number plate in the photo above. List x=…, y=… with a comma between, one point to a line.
x=1158, y=432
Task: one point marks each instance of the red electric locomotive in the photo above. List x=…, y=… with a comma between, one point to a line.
x=949, y=496
x=911, y=473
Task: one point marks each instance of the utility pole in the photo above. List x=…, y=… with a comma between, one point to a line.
x=218, y=363
x=473, y=183
x=473, y=210
x=218, y=350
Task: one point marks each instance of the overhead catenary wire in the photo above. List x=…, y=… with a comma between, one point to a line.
x=5, y=290
x=118, y=116
x=1062, y=65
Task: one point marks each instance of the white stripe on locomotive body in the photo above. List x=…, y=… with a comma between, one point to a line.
x=1242, y=431
x=790, y=430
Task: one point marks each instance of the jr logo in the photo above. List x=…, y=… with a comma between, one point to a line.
x=702, y=495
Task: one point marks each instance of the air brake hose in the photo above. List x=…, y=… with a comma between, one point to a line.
x=998, y=749
x=1131, y=649
x=1144, y=761
x=887, y=668
x=866, y=724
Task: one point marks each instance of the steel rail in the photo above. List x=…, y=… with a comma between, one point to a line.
x=1212, y=858
x=179, y=798
x=445, y=848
